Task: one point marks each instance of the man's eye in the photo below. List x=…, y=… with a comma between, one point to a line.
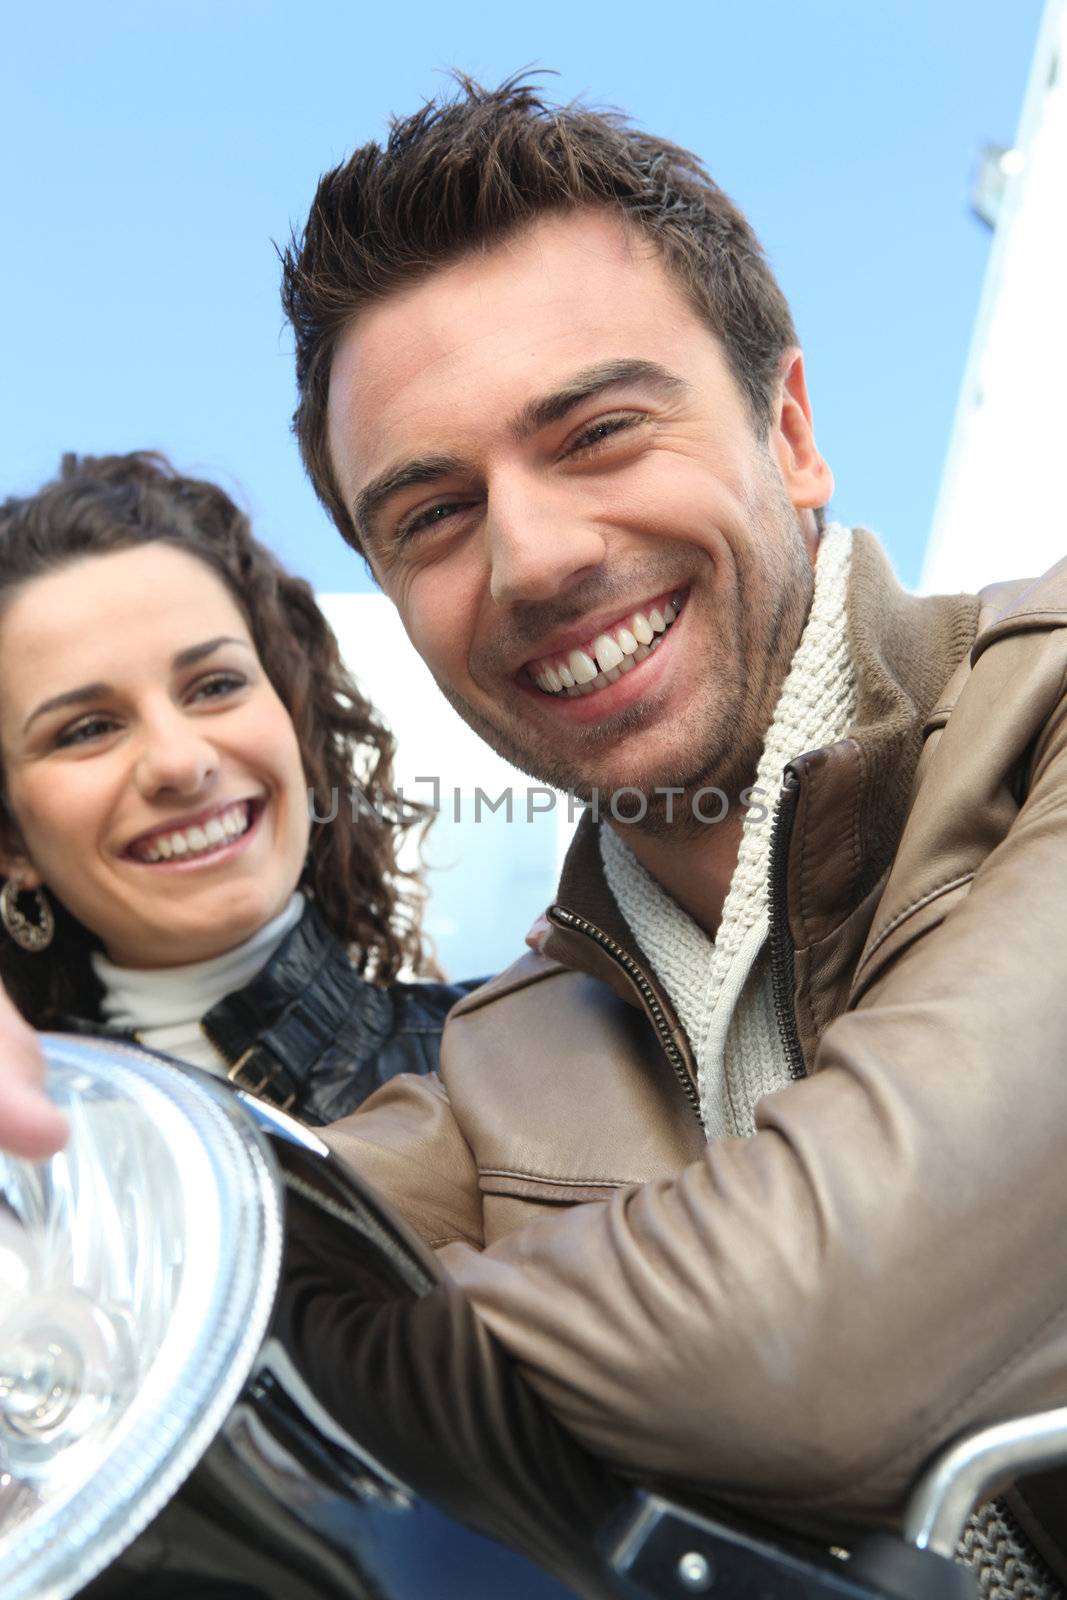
x=426, y=521
x=601, y=430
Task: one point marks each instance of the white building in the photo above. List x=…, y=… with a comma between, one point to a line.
x=492, y=871
x=1002, y=507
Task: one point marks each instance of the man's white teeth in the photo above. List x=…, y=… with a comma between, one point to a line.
x=195, y=840
x=608, y=654
x=612, y=654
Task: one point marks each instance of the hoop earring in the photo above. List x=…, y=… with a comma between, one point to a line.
x=28, y=934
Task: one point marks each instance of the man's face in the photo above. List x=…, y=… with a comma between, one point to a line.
x=548, y=456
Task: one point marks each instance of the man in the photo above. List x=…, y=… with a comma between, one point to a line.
x=809, y=1073
x=752, y=1165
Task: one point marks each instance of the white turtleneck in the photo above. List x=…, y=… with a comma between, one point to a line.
x=163, y=1005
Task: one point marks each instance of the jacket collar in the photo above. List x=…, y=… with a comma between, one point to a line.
x=284, y=1021
x=275, y=1031
x=854, y=795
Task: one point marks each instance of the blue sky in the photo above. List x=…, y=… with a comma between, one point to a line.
x=152, y=153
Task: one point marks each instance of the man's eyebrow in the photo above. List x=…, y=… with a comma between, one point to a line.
x=409, y=475
x=586, y=385
x=87, y=692
x=537, y=414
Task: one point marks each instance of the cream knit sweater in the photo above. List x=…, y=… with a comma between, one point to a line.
x=722, y=989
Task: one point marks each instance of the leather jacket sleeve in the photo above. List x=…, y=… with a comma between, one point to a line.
x=801, y=1317
x=409, y=1145
x=422, y=1385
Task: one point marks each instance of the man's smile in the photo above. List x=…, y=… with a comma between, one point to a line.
x=602, y=658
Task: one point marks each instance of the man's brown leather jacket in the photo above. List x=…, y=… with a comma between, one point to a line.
x=799, y=1318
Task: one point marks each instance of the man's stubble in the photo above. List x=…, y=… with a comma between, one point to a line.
x=766, y=620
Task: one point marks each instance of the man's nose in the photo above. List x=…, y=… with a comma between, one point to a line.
x=539, y=544
x=174, y=757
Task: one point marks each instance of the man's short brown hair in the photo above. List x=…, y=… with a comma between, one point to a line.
x=463, y=173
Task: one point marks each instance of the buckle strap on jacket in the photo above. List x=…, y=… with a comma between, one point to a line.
x=305, y=1003
x=277, y=1065
x=259, y=1072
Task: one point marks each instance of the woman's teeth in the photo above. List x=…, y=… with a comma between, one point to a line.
x=610, y=654
x=195, y=841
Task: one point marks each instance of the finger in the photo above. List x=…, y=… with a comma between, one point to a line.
x=30, y=1125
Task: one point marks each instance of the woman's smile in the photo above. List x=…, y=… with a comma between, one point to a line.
x=212, y=836
x=152, y=770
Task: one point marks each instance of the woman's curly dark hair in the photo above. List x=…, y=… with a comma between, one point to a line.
x=100, y=504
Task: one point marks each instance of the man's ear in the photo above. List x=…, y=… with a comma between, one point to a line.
x=808, y=480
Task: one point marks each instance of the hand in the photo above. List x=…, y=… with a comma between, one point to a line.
x=30, y=1125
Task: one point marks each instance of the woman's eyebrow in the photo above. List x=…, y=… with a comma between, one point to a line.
x=98, y=691
x=198, y=652
x=71, y=697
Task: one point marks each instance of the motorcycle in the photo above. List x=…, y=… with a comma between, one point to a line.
x=175, y=1421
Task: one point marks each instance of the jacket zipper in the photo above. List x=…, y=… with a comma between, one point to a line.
x=569, y=919
x=783, y=956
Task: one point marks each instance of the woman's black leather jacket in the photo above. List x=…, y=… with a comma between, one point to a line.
x=310, y=1035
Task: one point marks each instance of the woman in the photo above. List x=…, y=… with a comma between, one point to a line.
x=174, y=716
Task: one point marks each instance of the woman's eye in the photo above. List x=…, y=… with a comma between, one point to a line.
x=603, y=429
x=83, y=732
x=218, y=685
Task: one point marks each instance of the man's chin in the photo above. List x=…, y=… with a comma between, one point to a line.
x=630, y=772
x=670, y=790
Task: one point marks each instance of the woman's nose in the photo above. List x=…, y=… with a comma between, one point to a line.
x=174, y=758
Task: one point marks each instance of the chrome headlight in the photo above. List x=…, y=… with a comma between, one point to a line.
x=138, y=1271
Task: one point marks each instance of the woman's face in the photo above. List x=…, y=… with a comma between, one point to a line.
x=152, y=771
